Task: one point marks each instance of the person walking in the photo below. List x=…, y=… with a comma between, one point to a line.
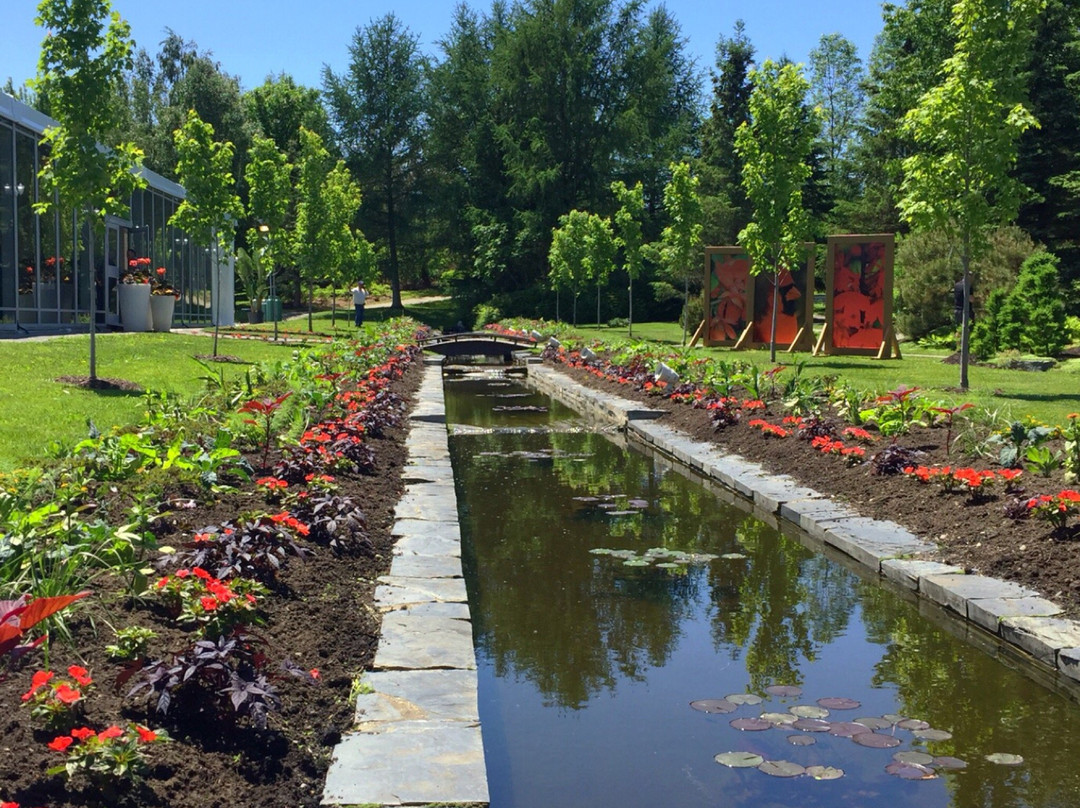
x=359, y=298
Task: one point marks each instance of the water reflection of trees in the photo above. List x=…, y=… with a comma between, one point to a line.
x=544, y=608
x=779, y=606
x=987, y=706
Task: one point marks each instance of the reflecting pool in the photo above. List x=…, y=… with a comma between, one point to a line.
x=609, y=592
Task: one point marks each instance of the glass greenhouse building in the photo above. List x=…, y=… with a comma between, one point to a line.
x=54, y=271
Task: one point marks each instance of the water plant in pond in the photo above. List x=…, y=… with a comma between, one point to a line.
x=659, y=557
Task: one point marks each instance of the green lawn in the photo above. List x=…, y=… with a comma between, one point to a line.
x=36, y=409
x=439, y=314
x=1048, y=396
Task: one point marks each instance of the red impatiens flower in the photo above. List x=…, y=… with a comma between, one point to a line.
x=61, y=742
x=80, y=675
x=146, y=735
x=83, y=733
x=67, y=694
x=110, y=732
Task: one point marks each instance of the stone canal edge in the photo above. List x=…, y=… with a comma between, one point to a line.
x=1015, y=615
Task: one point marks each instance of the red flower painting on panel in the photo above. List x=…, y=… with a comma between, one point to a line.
x=790, y=306
x=728, y=283
x=859, y=295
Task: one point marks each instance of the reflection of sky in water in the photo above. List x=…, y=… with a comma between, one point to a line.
x=587, y=666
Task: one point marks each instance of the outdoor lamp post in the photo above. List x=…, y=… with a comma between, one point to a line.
x=264, y=231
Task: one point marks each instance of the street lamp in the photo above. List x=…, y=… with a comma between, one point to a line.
x=264, y=231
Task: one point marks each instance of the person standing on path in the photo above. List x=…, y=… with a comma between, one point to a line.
x=359, y=298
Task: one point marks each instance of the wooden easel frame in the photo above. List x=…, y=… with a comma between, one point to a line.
x=889, y=343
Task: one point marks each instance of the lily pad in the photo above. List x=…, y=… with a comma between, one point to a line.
x=875, y=740
x=586, y=499
x=781, y=768
x=751, y=724
x=809, y=711
x=780, y=719
x=911, y=771
x=801, y=740
x=637, y=503
x=874, y=722
x=847, y=729
x=894, y=718
x=839, y=703
x=668, y=565
x=911, y=757
x=602, y=551
x=733, y=556
x=1005, y=759
x=714, y=706
x=635, y=562
x=739, y=760
x=824, y=772
x=744, y=698
x=622, y=513
x=946, y=762
x=913, y=724
x=932, y=734
x=784, y=691
x=812, y=725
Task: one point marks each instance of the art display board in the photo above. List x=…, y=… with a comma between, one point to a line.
x=858, y=296
x=795, y=318
x=729, y=291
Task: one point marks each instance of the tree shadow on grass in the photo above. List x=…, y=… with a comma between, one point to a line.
x=113, y=387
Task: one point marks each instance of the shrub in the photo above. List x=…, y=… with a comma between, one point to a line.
x=1032, y=317
x=927, y=266
x=485, y=314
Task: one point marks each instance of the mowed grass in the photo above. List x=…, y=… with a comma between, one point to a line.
x=36, y=410
x=1048, y=397
x=440, y=314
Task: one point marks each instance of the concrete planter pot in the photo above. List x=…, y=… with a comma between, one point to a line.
x=161, y=310
x=135, y=306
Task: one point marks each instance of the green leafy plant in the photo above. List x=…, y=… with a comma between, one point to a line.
x=1071, y=459
x=1042, y=460
x=57, y=702
x=1017, y=439
x=131, y=643
x=113, y=754
x=195, y=597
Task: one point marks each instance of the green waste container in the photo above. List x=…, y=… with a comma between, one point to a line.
x=271, y=309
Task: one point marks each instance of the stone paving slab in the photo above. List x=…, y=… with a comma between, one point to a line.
x=811, y=514
x=990, y=612
x=444, y=761
x=908, y=573
x=393, y=591
x=956, y=591
x=871, y=541
x=414, y=565
x=1042, y=637
x=458, y=611
x=403, y=528
x=425, y=695
x=428, y=509
x=1069, y=662
x=414, y=642
x=436, y=545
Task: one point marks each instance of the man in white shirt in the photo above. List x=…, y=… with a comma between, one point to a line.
x=359, y=297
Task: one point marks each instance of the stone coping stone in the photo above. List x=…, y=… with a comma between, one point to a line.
x=1069, y=662
x=437, y=544
x=423, y=527
x=956, y=591
x=427, y=509
x=394, y=591
x=989, y=612
x=458, y=611
x=444, y=761
x=414, y=565
x=427, y=695
x=909, y=572
x=810, y=514
x=417, y=642
x=1042, y=637
x=871, y=541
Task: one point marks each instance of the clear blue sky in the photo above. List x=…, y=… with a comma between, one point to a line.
x=253, y=39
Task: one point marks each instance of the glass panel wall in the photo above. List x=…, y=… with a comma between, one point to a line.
x=26, y=228
x=8, y=280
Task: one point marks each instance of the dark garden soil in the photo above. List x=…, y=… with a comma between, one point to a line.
x=320, y=617
x=973, y=534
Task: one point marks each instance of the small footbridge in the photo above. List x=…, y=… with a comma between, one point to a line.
x=478, y=343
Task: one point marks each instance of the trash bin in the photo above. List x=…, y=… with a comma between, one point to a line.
x=271, y=309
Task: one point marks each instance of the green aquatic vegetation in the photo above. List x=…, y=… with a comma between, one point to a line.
x=658, y=557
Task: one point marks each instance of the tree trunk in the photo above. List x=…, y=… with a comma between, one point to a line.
x=310, y=304
x=333, y=306
x=775, y=312
x=965, y=320
x=93, y=309
x=685, y=306
x=217, y=287
x=391, y=235
x=598, y=307
x=630, y=318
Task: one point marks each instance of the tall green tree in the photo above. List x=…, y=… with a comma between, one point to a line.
x=600, y=252
x=567, y=253
x=279, y=106
x=836, y=89
x=82, y=58
x=377, y=111
x=724, y=201
x=629, y=237
x=211, y=210
x=967, y=128
x=774, y=145
x=680, y=243
x=269, y=179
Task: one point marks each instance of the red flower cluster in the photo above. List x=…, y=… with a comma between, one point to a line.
x=826, y=445
x=858, y=433
x=767, y=429
x=1056, y=508
x=952, y=479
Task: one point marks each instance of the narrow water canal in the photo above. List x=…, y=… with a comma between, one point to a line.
x=589, y=661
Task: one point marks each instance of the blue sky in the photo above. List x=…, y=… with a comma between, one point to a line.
x=253, y=39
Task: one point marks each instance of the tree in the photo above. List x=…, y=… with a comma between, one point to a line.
x=211, y=210
x=967, y=128
x=836, y=77
x=567, y=254
x=268, y=175
x=680, y=243
x=279, y=106
x=720, y=169
x=600, y=251
x=327, y=201
x=774, y=145
x=628, y=235
x=81, y=60
x=377, y=112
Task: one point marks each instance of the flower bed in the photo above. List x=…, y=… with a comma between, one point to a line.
x=210, y=663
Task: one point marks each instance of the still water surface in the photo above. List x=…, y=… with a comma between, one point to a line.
x=588, y=666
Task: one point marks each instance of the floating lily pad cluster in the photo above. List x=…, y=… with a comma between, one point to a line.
x=873, y=732
x=658, y=557
x=614, y=504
